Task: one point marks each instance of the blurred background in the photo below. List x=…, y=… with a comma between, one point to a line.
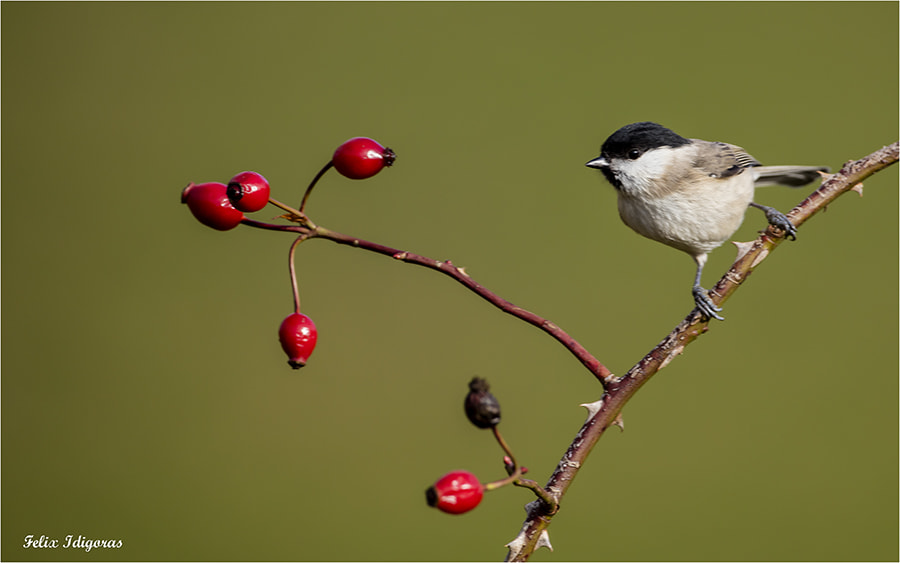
x=145, y=395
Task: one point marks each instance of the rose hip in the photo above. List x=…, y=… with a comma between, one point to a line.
x=298, y=336
x=248, y=191
x=455, y=493
x=361, y=157
x=210, y=205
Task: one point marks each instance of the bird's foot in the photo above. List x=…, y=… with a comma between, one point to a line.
x=779, y=220
x=705, y=304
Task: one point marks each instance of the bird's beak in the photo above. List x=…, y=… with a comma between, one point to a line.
x=599, y=162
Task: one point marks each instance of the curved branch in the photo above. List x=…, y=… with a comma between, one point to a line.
x=606, y=411
x=447, y=268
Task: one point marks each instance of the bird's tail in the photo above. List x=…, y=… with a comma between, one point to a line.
x=791, y=176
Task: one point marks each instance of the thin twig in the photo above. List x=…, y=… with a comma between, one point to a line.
x=459, y=274
x=447, y=268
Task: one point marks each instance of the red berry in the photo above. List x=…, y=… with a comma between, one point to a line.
x=298, y=337
x=455, y=493
x=361, y=157
x=248, y=191
x=209, y=204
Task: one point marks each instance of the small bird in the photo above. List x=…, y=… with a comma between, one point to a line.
x=690, y=194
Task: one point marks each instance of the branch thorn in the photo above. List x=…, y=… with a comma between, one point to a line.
x=544, y=541
x=516, y=545
x=742, y=248
x=593, y=408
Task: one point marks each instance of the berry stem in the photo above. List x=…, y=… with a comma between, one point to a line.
x=499, y=437
x=294, y=214
x=542, y=493
x=313, y=184
x=293, y=272
x=516, y=471
x=515, y=477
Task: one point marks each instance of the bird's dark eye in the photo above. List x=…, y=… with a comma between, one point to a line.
x=633, y=154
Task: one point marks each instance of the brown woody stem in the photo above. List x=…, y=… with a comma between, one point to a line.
x=603, y=413
x=447, y=268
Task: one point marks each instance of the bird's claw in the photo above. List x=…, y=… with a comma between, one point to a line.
x=780, y=220
x=705, y=305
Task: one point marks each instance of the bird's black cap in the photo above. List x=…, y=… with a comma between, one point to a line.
x=641, y=136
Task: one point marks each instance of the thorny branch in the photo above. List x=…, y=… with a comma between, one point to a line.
x=606, y=411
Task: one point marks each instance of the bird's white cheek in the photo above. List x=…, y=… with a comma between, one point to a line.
x=641, y=174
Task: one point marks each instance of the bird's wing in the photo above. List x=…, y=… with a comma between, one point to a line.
x=721, y=160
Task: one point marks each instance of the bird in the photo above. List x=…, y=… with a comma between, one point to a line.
x=690, y=194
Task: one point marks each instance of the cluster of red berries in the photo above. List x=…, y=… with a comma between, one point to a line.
x=222, y=207
x=458, y=492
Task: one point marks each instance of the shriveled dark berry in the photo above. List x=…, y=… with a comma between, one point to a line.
x=482, y=408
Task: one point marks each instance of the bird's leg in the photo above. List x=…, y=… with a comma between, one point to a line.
x=701, y=296
x=778, y=219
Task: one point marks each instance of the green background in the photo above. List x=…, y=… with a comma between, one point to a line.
x=145, y=396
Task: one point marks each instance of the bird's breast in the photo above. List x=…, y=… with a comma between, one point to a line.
x=694, y=220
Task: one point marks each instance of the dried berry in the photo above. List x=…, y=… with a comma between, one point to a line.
x=482, y=408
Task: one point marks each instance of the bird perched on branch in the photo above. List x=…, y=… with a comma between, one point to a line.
x=690, y=194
